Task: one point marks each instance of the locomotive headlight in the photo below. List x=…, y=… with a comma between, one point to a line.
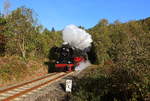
x=69, y=62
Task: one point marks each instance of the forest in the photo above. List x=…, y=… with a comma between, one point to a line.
x=121, y=55
x=123, y=64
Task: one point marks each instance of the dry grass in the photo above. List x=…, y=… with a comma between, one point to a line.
x=13, y=70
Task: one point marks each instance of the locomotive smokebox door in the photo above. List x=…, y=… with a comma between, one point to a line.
x=68, y=85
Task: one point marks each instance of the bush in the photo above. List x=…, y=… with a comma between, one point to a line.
x=110, y=84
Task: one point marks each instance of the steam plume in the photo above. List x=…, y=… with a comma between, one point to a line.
x=83, y=65
x=77, y=37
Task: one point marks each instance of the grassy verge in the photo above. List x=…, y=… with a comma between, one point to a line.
x=13, y=69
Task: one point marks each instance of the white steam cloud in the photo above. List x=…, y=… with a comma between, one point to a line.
x=77, y=37
x=82, y=65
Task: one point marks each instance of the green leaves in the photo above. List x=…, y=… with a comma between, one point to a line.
x=25, y=37
x=127, y=76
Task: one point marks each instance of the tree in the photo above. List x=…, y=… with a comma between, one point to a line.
x=53, y=29
x=103, y=22
x=7, y=6
x=22, y=30
x=2, y=37
x=100, y=35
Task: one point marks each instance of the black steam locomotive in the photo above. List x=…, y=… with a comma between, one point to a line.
x=67, y=57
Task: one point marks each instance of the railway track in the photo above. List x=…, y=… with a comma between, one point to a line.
x=17, y=92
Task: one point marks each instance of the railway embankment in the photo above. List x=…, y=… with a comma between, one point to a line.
x=14, y=70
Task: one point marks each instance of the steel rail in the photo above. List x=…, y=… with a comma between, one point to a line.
x=17, y=86
x=35, y=87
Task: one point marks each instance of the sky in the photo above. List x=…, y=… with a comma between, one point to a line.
x=86, y=13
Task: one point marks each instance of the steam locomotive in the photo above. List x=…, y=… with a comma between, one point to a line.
x=68, y=57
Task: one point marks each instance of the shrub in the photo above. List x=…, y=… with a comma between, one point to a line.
x=110, y=84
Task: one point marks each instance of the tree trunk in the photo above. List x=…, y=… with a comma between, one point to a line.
x=23, y=49
x=24, y=54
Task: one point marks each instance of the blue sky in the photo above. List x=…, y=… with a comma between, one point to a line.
x=87, y=13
